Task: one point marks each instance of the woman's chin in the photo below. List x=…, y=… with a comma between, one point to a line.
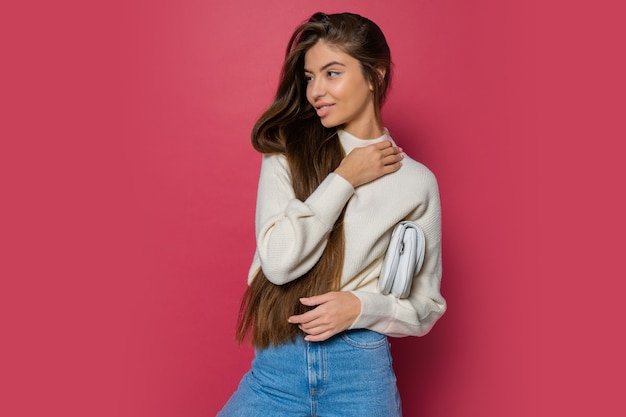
x=328, y=124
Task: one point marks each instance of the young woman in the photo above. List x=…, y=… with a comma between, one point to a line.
x=333, y=185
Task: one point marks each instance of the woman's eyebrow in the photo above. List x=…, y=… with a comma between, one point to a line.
x=330, y=64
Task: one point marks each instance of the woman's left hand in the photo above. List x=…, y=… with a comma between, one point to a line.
x=335, y=312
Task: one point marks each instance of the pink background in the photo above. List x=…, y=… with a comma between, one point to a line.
x=129, y=184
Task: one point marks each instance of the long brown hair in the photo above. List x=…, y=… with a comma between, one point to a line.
x=290, y=127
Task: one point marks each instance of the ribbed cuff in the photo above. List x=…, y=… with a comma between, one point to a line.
x=330, y=197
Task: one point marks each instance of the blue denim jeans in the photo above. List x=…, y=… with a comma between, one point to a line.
x=347, y=375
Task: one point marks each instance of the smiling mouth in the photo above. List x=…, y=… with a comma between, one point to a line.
x=324, y=110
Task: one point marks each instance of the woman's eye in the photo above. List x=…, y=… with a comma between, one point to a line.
x=308, y=78
x=333, y=74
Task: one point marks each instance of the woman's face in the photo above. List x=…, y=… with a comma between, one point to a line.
x=339, y=92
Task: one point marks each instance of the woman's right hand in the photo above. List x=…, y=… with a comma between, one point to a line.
x=371, y=162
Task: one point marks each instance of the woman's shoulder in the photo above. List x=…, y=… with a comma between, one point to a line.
x=418, y=182
x=416, y=169
x=274, y=161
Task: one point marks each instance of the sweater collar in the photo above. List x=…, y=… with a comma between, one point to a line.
x=349, y=141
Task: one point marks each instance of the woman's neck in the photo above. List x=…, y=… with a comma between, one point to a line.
x=371, y=130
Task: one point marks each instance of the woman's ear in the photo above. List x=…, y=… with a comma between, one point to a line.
x=381, y=71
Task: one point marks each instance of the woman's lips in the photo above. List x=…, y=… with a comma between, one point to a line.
x=324, y=109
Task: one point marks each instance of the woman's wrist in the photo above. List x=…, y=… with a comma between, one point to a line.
x=343, y=173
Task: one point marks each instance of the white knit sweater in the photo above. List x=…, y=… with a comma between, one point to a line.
x=292, y=234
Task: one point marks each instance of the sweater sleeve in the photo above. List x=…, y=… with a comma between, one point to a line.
x=291, y=234
x=417, y=314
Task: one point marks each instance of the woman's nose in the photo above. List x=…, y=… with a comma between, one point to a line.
x=316, y=88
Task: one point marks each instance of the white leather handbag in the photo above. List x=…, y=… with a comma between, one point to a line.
x=403, y=259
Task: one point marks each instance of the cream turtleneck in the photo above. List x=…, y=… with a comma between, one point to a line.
x=291, y=236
